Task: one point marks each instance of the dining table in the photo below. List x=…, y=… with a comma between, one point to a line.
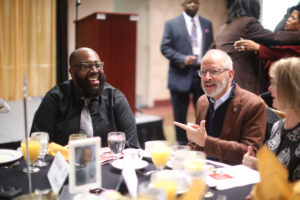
x=13, y=176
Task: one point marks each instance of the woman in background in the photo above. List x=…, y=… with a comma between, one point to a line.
x=272, y=54
x=285, y=134
x=242, y=22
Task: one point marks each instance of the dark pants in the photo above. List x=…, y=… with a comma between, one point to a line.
x=180, y=103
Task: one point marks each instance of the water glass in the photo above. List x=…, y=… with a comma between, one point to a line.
x=43, y=137
x=179, y=154
x=116, y=142
x=33, y=152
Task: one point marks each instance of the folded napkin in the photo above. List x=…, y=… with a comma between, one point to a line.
x=53, y=148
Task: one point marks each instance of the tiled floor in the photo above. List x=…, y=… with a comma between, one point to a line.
x=166, y=112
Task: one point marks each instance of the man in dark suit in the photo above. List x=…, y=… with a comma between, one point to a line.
x=185, y=39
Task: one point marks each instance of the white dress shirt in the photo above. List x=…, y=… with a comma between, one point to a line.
x=188, y=21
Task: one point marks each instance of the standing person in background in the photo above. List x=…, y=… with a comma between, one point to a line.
x=242, y=22
x=280, y=25
x=274, y=53
x=185, y=39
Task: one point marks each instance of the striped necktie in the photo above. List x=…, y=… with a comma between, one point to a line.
x=86, y=125
x=194, y=34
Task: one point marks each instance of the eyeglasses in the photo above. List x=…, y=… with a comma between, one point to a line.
x=89, y=66
x=212, y=72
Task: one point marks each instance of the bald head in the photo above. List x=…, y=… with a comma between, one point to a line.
x=217, y=54
x=80, y=55
x=87, y=72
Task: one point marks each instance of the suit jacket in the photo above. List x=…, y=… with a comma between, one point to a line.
x=244, y=125
x=176, y=45
x=249, y=73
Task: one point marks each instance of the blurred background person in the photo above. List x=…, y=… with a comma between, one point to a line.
x=285, y=135
x=281, y=24
x=274, y=53
x=185, y=39
x=242, y=22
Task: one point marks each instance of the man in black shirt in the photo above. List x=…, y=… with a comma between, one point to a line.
x=61, y=111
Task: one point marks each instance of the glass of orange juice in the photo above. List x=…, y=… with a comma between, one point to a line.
x=165, y=180
x=194, y=166
x=34, y=147
x=160, y=153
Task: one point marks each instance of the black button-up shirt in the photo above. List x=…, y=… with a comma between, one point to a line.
x=60, y=110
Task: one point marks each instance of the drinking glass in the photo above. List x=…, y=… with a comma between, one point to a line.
x=194, y=166
x=179, y=154
x=43, y=137
x=116, y=142
x=146, y=192
x=34, y=147
x=161, y=153
x=165, y=180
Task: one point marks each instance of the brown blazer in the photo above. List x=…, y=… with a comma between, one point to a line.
x=249, y=71
x=244, y=125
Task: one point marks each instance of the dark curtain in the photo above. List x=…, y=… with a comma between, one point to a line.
x=61, y=40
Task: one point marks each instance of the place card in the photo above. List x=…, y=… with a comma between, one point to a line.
x=58, y=172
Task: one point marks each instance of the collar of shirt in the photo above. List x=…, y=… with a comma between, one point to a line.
x=188, y=22
x=225, y=97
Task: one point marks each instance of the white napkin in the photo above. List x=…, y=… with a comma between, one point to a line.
x=4, y=108
x=131, y=180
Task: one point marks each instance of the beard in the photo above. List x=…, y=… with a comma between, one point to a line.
x=219, y=87
x=85, y=86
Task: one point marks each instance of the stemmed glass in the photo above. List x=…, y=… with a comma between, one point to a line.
x=43, y=137
x=33, y=150
x=116, y=143
x=160, y=153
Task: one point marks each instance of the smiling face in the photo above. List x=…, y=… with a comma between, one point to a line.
x=89, y=82
x=215, y=86
x=292, y=23
x=190, y=7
